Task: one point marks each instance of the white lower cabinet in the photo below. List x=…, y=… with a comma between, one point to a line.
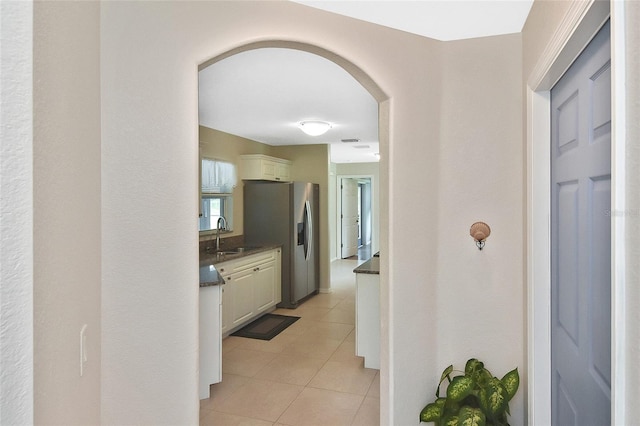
x=210, y=338
x=252, y=287
x=241, y=307
x=264, y=296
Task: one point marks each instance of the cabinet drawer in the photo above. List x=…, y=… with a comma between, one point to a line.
x=247, y=262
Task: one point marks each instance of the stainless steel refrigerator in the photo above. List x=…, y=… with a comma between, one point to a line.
x=286, y=213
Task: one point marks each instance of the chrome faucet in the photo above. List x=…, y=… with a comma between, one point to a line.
x=223, y=221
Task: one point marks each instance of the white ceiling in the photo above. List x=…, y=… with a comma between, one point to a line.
x=263, y=94
x=437, y=19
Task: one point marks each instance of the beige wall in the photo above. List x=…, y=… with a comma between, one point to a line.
x=543, y=19
x=228, y=147
x=67, y=212
x=480, y=179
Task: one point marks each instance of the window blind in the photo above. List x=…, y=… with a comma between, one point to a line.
x=218, y=177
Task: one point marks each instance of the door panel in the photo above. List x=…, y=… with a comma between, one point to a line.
x=264, y=287
x=242, y=303
x=581, y=239
x=349, y=215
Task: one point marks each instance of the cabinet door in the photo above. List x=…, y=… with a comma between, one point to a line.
x=269, y=170
x=264, y=286
x=282, y=172
x=242, y=299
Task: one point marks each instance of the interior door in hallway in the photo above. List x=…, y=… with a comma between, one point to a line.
x=581, y=239
x=349, y=217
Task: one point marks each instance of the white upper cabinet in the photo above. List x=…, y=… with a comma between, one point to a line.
x=263, y=167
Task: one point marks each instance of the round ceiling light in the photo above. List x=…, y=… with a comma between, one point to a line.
x=314, y=128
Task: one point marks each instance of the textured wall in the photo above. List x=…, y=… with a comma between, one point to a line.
x=16, y=213
x=480, y=294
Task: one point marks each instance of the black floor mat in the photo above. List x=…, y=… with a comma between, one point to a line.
x=266, y=327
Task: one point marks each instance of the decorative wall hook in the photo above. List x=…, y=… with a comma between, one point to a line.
x=479, y=232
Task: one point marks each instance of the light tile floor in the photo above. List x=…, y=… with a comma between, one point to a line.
x=307, y=375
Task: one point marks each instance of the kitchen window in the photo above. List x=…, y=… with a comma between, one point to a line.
x=214, y=206
x=218, y=178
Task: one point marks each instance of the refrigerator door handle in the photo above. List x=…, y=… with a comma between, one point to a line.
x=308, y=243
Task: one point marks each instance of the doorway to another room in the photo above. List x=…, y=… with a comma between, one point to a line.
x=355, y=212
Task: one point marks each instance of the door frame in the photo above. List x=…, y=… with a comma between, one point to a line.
x=339, y=210
x=580, y=24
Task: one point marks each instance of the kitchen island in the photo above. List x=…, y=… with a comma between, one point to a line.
x=368, y=312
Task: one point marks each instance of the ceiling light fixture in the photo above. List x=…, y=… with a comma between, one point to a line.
x=314, y=128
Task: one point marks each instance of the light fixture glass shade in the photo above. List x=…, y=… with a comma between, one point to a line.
x=314, y=128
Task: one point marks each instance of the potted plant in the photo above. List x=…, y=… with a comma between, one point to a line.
x=475, y=398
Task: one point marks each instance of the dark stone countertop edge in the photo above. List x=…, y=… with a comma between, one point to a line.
x=209, y=275
x=371, y=266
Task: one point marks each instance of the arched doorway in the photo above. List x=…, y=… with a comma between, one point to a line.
x=372, y=88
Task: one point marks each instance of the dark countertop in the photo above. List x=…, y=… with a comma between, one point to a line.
x=209, y=275
x=371, y=266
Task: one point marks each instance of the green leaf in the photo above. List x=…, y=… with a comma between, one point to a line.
x=450, y=421
x=472, y=366
x=484, y=377
x=431, y=412
x=459, y=388
x=471, y=417
x=451, y=407
x=511, y=381
x=493, y=398
x=447, y=371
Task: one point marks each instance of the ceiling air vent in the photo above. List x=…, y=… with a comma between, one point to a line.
x=352, y=140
